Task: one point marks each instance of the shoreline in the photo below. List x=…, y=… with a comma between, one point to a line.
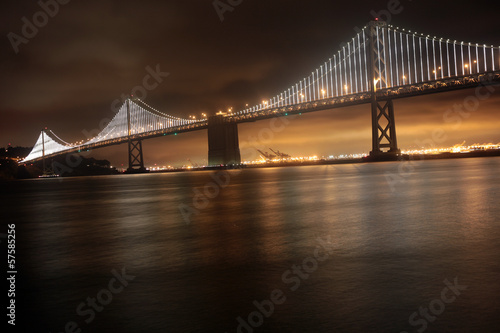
x=368, y=159
x=363, y=160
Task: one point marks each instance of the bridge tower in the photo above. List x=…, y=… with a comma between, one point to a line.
x=135, y=156
x=383, y=121
x=223, y=144
x=47, y=170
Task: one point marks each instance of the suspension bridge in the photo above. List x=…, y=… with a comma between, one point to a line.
x=380, y=64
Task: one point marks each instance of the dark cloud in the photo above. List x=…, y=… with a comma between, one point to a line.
x=93, y=51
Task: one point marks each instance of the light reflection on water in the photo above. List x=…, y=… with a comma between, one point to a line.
x=393, y=250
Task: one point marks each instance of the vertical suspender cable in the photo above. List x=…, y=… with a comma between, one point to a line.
x=396, y=57
x=366, y=63
x=331, y=79
x=336, y=83
x=434, y=58
x=415, y=58
x=355, y=67
x=427, y=57
x=340, y=73
x=378, y=53
x=345, y=68
x=390, y=55
x=402, y=56
x=408, y=55
x=421, y=61
x=360, y=67
x=441, y=57
x=448, y=57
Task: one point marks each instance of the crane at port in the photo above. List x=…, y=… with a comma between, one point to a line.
x=195, y=165
x=279, y=154
x=265, y=155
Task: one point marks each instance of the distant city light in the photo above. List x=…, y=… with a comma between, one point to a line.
x=459, y=148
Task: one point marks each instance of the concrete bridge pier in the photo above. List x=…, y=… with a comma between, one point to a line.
x=223, y=144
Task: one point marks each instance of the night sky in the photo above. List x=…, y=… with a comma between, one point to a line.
x=91, y=52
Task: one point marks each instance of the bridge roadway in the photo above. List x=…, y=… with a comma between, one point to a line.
x=412, y=90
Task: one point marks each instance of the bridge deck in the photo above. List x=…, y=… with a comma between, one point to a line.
x=413, y=90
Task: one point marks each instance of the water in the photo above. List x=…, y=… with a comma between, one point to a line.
x=391, y=250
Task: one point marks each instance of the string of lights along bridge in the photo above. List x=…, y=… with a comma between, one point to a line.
x=378, y=65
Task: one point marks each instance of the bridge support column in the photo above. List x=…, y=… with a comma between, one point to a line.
x=223, y=144
x=135, y=157
x=383, y=123
x=383, y=129
x=48, y=170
